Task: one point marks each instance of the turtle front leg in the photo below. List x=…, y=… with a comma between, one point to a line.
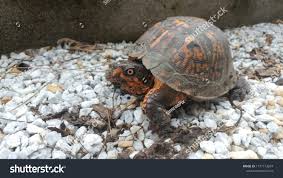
x=157, y=103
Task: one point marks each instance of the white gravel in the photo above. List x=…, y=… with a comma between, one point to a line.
x=59, y=80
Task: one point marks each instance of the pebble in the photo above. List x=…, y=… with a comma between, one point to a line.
x=58, y=154
x=210, y=123
x=261, y=151
x=279, y=134
x=207, y=146
x=13, y=141
x=102, y=155
x=207, y=156
x=80, y=132
x=220, y=147
x=127, y=116
x=237, y=139
x=249, y=154
x=93, y=143
x=33, y=129
x=272, y=127
x=51, y=138
x=63, y=145
x=85, y=112
x=138, y=115
x=14, y=127
x=112, y=154
x=88, y=104
x=134, y=129
x=278, y=91
x=264, y=118
x=35, y=139
x=138, y=145
x=125, y=144
x=148, y=142
x=280, y=101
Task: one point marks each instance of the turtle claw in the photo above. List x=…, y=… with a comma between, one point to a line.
x=241, y=89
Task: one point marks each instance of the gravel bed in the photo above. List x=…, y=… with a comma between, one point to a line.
x=55, y=103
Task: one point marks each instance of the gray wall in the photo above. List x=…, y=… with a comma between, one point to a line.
x=34, y=23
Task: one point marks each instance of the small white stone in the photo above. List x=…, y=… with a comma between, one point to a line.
x=145, y=125
x=264, y=118
x=42, y=153
x=134, y=129
x=249, y=154
x=4, y=153
x=272, y=127
x=138, y=146
x=39, y=122
x=102, y=155
x=257, y=142
x=35, y=139
x=207, y=146
x=141, y=135
x=58, y=154
x=249, y=108
x=220, y=148
x=127, y=116
x=85, y=112
x=260, y=125
x=175, y=123
x=80, y=132
x=221, y=156
x=52, y=137
x=89, y=104
x=237, y=139
x=177, y=148
x=138, y=115
x=197, y=155
x=261, y=151
x=119, y=122
x=63, y=145
x=148, y=142
x=33, y=129
x=54, y=123
x=13, y=127
x=93, y=143
x=210, y=123
x=269, y=156
x=224, y=138
x=112, y=154
x=21, y=111
x=133, y=154
x=76, y=148
x=13, y=141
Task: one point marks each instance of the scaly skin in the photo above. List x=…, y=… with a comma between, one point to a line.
x=158, y=101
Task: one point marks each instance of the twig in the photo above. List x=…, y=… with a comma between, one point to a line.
x=25, y=102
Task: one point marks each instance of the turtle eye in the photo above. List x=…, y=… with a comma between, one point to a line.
x=130, y=71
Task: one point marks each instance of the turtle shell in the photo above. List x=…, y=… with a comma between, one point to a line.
x=190, y=55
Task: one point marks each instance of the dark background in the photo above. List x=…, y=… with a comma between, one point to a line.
x=36, y=23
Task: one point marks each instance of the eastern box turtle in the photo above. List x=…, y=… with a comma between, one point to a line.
x=174, y=64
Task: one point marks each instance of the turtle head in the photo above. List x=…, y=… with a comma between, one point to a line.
x=131, y=77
